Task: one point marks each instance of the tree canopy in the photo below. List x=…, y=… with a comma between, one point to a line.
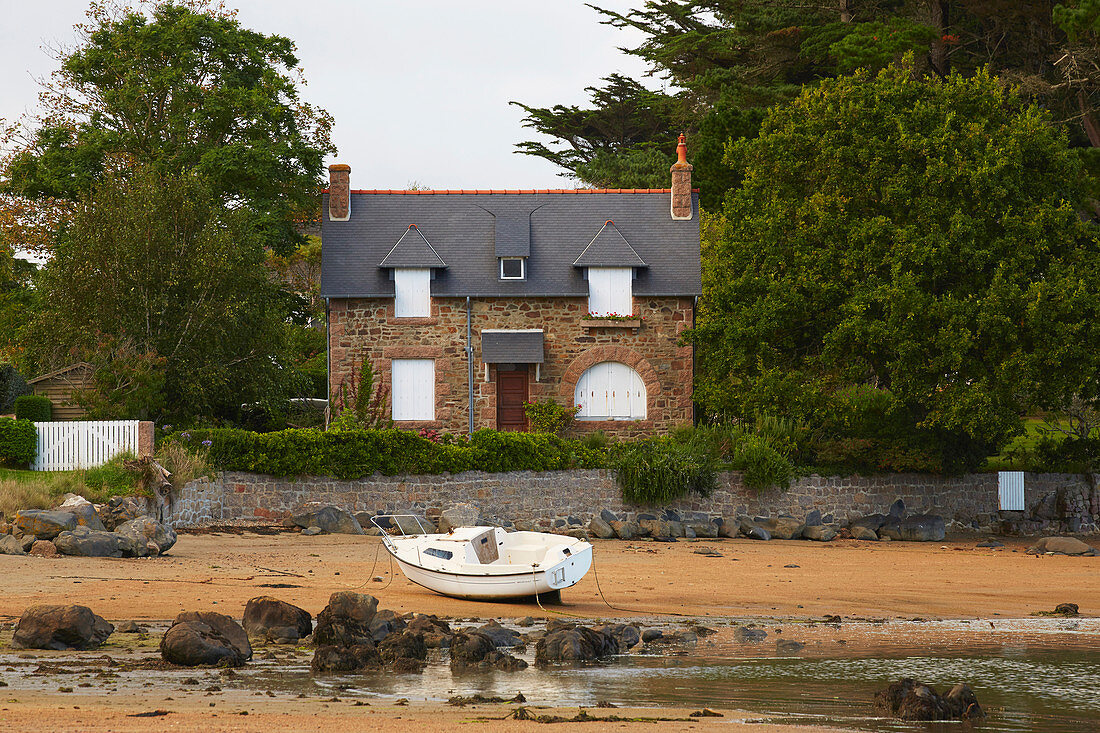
x=906, y=246
x=183, y=89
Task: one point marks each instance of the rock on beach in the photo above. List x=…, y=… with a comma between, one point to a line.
x=60, y=628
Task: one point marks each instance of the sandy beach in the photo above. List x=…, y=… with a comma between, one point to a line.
x=775, y=583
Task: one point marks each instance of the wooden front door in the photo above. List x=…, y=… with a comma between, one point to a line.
x=511, y=394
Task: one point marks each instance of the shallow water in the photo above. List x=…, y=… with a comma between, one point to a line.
x=1029, y=674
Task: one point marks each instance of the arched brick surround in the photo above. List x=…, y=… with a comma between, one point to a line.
x=599, y=354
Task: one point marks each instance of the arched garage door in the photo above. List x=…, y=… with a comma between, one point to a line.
x=610, y=390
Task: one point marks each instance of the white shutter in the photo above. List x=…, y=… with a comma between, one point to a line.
x=413, y=293
x=412, y=391
x=611, y=391
x=610, y=291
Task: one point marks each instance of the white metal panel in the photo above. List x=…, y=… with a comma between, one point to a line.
x=67, y=446
x=413, y=389
x=413, y=293
x=1010, y=490
x=610, y=291
x=611, y=390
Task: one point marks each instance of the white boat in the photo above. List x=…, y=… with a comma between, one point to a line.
x=485, y=563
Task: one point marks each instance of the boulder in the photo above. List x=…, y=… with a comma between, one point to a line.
x=908, y=699
x=745, y=634
x=600, y=529
x=872, y=522
x=813, y=519
x=500, y=635
x=121, y=509
x=625, y=530
x=147, y=536
x=329, y=658
x=758, y=533
x=783, y=528
x=625, y=635
x=897, y=510
x=43, y=548
x=270, y=619
x=819, y=533
x=708, y=530
x=476, y=651
x=406, y=644
x=436, y=632
x=42, y=524
x=572, y=643
x=60, y=628
x=312, y=531
x=459, y=515
x=656, y=528
x=788, y=646
x=729, y=527
x=915, y=528
x=860, y=532
x=83, y=510
x=330, y=519
x=651, y=635
x=85, y=542
x=384, y=623
x=1061, y=546
x=346, y=620
x=9, y=545
x=205, y=638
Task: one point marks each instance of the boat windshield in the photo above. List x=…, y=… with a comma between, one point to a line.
x=436, y=552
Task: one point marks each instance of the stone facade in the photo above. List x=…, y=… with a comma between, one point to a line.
x=556, y=499
x=367, y=328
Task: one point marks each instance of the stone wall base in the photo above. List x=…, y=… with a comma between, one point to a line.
x=560, y=498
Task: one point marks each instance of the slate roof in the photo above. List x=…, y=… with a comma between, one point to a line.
x=412, y=250
x=609, y=248
x=522, y=346
x=469, y=230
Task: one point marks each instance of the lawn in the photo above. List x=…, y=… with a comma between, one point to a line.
x=43, y=489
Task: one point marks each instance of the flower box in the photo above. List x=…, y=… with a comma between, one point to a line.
x=612, y=322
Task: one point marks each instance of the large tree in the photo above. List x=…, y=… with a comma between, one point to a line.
x=183, y=88
x=726, y=61
x=915, y=241
x=163, y=289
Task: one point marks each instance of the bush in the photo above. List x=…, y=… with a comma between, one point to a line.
x=12, y=385
x=351, y=454
x=547, y=416
x=658, y=470
x=762, y=465
x=33, y=407
x=18, y=442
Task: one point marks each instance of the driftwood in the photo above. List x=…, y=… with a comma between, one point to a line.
x=154, y=479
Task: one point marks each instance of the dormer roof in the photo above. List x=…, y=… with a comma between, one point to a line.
x=609, y=248
x=413, y=250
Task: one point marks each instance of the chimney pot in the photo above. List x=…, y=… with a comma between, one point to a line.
x=339, y=192
x=682, y=209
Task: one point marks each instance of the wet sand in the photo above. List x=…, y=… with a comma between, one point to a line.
x=777, y=584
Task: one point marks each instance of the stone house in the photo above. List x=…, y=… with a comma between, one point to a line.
x=470, y=303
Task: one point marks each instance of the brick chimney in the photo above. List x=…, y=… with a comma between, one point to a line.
x=339, y=192
x=681, y=183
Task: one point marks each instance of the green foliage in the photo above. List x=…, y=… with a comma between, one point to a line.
x=190, y=323
x=762, y=465
x=18, y=442
x=12, y=385
x=918, y=237
x=33, y=408
x=351, y=454
x=361, y=402
x=111, y=479
x=547, y=416
x=184, y=88
x=658, y=470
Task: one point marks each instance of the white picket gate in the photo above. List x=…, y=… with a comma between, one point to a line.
x=65, y=446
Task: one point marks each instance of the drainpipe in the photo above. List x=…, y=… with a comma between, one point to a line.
x=694, y=357
x=470, y=364
x=328, y=365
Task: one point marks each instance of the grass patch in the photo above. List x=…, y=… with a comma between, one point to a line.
x=1019, y=454
x=43, y=489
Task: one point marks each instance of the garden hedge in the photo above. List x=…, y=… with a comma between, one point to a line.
x=33, y=407
x=357, y=453
x=18, y=442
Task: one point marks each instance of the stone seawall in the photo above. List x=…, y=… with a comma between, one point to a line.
x=555, y=499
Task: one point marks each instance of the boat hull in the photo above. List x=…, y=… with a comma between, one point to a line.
x=499, y=585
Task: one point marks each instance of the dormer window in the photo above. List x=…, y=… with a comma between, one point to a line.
x=610, y=291
x=412, y=293
x=513, y=268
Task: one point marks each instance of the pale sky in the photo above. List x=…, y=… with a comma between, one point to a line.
x=419, y=89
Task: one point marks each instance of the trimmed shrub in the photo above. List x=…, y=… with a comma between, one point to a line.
x=761, y=465
x=351, y=454
x=547, y=416
x=33, y=407
x=18, y=442
x=659, y=470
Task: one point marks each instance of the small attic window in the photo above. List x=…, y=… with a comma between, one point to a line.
x=513, y=268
